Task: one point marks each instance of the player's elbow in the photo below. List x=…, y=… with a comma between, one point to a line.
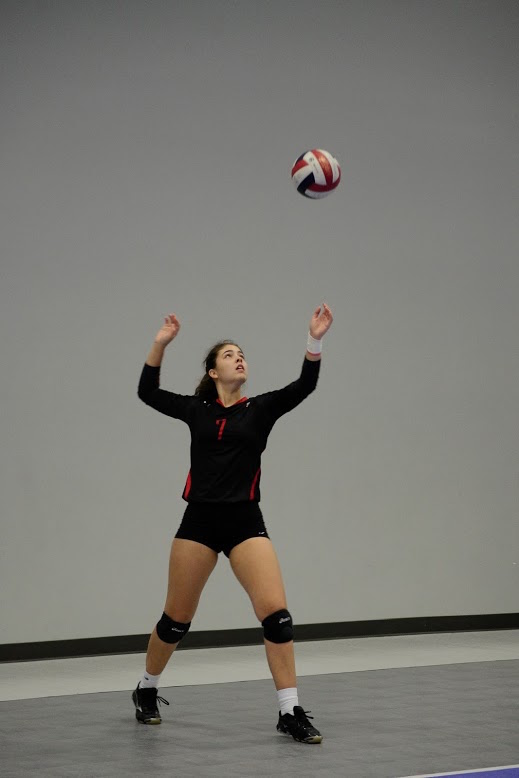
x=143, y=395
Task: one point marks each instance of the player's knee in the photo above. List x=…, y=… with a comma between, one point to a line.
x=170, y=631
x=278, y=627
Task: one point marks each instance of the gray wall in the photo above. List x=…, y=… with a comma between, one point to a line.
x=146, y=149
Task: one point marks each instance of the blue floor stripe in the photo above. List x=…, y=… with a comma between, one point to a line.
x=508, y=772
x=511, y=771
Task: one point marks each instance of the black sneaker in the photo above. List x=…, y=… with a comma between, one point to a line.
x=145, y=701
x=298, y=726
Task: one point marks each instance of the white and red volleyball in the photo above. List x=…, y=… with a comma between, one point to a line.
x=316, y=173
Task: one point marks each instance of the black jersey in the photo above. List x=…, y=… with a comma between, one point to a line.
x=226, y=443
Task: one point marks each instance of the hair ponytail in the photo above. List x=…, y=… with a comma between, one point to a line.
x=206, y=389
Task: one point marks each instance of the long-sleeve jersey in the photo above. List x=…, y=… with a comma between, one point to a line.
x=226, y=443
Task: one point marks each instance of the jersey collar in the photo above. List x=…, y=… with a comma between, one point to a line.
x=241, y=400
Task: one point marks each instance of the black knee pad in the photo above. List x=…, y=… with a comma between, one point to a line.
x=278, y=627
x=170, y=631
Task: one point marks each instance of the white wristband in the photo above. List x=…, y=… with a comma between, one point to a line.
x=313, y=346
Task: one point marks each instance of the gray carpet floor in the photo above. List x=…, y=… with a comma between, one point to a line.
x=376, y=724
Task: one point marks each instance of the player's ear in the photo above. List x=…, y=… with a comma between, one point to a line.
x=212, y=373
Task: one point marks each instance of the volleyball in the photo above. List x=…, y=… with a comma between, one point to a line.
x=316, y=173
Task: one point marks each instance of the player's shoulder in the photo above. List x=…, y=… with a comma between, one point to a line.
x=259, y=399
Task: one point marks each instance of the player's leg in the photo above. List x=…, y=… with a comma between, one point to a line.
x=255, y=564
x=191, y=563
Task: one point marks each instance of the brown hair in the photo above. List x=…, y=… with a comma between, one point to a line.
x=206, y=389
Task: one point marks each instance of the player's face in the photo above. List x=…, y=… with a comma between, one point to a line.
x=231, y=365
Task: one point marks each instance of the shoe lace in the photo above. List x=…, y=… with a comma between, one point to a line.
x=150, y=699
x=303, y=716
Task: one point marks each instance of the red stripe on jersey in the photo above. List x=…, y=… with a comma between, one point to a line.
x=325, y=165
x=253, y=487
x=241, y=400
x=187, y=487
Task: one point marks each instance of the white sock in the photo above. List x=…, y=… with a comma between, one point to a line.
x=148, y=680
x=287, y=698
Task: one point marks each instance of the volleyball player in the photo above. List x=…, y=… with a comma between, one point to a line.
x=228, y=435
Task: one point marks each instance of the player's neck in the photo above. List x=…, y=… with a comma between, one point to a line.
x=229, y=396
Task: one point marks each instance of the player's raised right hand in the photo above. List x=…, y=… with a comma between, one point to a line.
x=168, y=331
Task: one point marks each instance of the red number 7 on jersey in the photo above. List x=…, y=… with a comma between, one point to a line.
x=221, y=423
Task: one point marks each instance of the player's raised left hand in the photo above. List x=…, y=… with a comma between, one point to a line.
x=321, y=321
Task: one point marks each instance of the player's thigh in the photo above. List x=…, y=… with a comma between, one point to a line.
x=190, y=565
x=256, y=566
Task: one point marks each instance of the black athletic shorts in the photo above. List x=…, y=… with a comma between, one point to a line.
x=221, y=526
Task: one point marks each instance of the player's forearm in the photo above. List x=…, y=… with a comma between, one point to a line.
x=154, y=358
